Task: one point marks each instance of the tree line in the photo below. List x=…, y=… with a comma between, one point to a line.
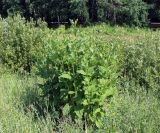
x=128, y=12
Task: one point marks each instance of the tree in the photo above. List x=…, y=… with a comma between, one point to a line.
x=93, y=10
x=130, y=12
x=79, y=10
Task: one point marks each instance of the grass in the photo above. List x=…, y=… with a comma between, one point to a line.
x=18, y=110
x=13, y=117
x=20, y=98
x=138, y=113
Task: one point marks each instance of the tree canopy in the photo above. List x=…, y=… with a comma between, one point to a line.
x=129, y=12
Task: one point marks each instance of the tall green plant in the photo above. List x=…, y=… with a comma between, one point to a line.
x=81, y=74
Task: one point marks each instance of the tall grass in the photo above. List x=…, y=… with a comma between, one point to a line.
x=13, y=117
x=138, y=113
x=19, y=98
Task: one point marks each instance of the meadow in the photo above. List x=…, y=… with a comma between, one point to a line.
x=100, y=78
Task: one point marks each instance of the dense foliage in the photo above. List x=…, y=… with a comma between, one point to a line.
x=82, y=68
x=20, y=42
x=130, y=12
x=19, y=113
x=80, y=74
x=142, y=61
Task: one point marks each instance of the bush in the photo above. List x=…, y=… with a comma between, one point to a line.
x=20, y=42
x=142, y=63
x=80, y=74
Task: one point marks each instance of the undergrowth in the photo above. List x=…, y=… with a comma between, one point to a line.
x=93, y=79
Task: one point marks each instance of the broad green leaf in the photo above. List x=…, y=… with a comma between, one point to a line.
x=97, y=110
x=79, y=113
x=98, y=123
x=81, y=72
x=71, y=92
x=85, y=102
x=66, y=109
x=66, y=76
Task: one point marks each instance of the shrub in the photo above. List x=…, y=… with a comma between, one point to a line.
x=80, y=73
x=20, y=42
x=142, y=63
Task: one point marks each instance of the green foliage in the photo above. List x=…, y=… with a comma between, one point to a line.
x=129, y=12
x=53, y=10
x=126, y=113
x=133, y=113
x=80, y=73
x=15, y=116
x=135, y=13
x=142, y=63
x=20, y=42
x=79, y=10
x=81, y=70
